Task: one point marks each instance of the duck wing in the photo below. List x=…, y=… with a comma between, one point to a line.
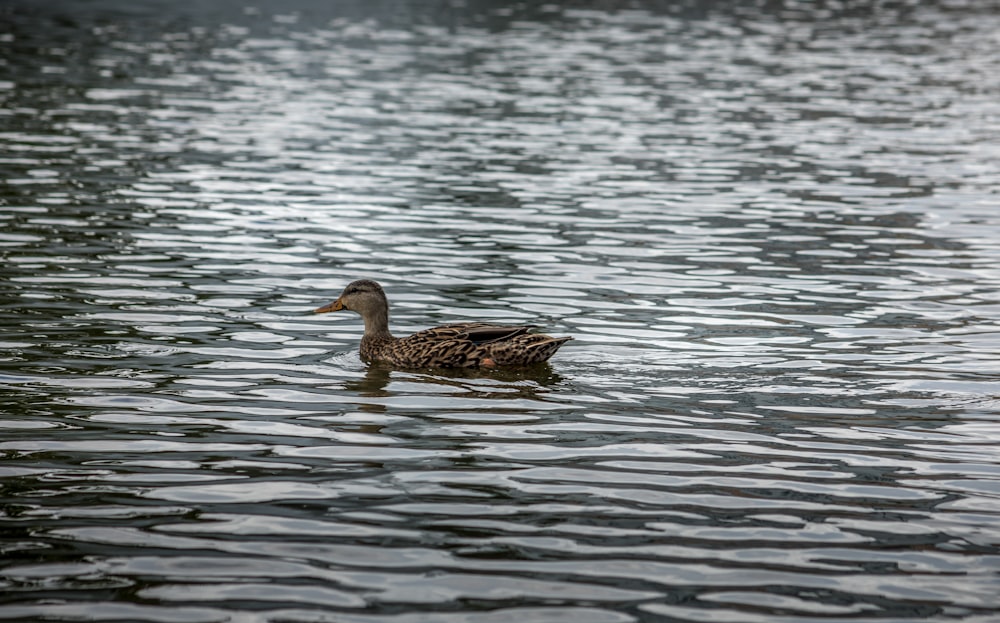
x=476, y=332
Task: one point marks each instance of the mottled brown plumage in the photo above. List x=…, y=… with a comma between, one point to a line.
x=465, y=345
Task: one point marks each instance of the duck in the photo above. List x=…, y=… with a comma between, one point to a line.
x=463, y=345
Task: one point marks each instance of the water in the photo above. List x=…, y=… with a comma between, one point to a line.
x=773, y=231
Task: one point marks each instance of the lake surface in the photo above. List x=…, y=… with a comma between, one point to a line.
x=773, y=231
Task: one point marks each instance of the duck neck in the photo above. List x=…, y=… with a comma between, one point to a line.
x=377, y=324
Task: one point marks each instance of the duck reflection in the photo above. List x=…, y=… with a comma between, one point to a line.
x=522, y=382
x=373, y=383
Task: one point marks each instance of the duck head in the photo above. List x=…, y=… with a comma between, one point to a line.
x=363, y=296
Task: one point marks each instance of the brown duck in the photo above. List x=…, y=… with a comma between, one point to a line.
x=466, y=345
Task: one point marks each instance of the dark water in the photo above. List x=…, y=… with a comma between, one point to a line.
x=774, y=232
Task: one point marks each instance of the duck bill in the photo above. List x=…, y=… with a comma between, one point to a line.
x=331, y=307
